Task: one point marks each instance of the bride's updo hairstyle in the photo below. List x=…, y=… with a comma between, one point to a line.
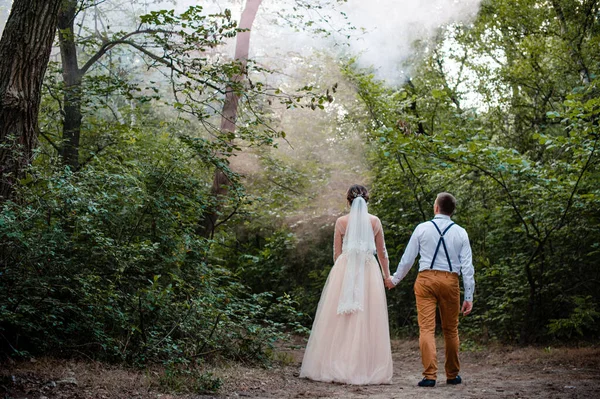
x=356, y=190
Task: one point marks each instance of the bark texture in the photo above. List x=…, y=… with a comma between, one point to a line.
x=24, y=53
x=72, y=76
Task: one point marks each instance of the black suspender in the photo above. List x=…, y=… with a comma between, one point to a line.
x=442, y=242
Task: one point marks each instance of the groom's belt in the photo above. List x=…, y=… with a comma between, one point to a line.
x=437, y=271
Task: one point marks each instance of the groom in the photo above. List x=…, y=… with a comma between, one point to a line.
x=445, y=254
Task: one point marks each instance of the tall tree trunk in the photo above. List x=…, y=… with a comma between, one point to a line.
x=24, y=53
x=574, y=50
x=230, y=111
x=72, y=76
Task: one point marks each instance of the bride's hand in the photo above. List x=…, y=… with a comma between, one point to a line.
x=388, y=283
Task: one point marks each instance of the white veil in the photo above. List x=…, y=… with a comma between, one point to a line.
x=359, y=245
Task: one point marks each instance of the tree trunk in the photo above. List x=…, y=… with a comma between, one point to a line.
x=72, y=79
x=24, y=53
x=574, y=51
x=230, y=112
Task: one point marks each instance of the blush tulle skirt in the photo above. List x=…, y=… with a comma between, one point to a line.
x=350, y=348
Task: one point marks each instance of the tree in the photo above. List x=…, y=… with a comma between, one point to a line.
x=230, y=110
x=180, y=47
x=24, y=53
x=72, y=76
x=163, y=29
x=522, y=159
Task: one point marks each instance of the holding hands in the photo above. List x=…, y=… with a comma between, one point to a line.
x=388, y=283
x=466, y=308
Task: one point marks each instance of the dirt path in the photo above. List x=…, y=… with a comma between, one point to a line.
x=490, y=373
x=493, y=372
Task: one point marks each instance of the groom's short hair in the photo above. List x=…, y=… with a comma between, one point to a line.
x=446, y=203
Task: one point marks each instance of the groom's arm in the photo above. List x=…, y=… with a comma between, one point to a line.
x=408, y=258
x=467, y=269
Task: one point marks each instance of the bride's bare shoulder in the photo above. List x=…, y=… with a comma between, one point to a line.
x=342, y=219
x=374, y=218
x=375, y=222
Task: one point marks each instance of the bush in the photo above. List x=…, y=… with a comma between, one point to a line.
x=107, y=262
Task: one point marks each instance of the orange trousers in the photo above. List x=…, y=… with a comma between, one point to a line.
x=434, y=288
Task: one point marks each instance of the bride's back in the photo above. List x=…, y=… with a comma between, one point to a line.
x=342, y=223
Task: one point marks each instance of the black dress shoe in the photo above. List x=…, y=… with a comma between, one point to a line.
x=454, y=381
x=426, y=383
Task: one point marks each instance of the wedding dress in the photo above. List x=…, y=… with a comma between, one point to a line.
x=350, y=340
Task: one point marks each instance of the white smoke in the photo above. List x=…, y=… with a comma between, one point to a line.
x=393, y=26
x=383, y=38
x=386, y=30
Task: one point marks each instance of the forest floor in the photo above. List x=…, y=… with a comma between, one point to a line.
x=488, y=372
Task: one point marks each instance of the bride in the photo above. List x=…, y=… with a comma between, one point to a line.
x=350, y=340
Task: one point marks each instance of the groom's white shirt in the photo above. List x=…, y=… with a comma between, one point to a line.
x=424, y=240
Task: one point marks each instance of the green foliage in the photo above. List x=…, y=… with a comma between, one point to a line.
x=108, y=257
x=107, y=261
x=519, y=152
x=293, y=266
x=583, y=321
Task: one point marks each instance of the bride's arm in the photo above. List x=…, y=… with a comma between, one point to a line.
x=337, y=240
x=382, y=251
